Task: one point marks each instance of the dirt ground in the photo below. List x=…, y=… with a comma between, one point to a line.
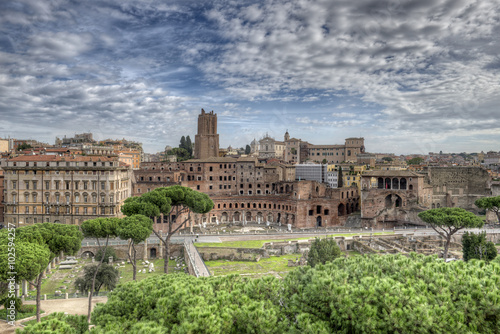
x=77, y=306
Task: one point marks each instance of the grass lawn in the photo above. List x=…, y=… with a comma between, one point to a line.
x=31, y=311
x=260, y=243
x=270, y=266
x=126, y=273
x=57, y=278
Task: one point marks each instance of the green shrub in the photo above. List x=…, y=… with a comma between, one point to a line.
x=27, y=309
x=58, y=323
x=110, y=251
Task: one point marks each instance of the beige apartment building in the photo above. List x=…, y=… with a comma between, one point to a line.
x=4, y=145
x=64, y=189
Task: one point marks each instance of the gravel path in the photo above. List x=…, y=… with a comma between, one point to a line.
x=77, y=306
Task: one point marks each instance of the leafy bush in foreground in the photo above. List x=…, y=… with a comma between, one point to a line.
x=375, y=294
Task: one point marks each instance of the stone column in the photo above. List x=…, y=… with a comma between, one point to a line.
x=145, y=254
x=161, y=250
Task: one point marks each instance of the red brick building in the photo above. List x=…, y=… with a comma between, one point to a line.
x=393, y=197
x=244, y=190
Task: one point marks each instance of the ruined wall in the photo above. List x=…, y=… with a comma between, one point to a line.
x=232, y=254
x=458, y=186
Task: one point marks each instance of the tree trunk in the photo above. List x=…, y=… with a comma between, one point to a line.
x=38, y=295
x=93, y=279
x=134, y=264
x=446, y=247
x=167, y=254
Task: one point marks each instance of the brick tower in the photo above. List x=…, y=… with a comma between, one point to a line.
x=206, y=142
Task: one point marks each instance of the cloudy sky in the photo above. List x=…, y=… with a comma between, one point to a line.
x=410, y=76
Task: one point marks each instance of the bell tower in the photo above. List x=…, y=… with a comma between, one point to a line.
x=206, y=142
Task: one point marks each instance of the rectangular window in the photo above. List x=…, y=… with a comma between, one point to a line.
x=67, y=185
x=84, y=211
x=57, y=185
x=94, y=210
x=77, y=210
x=14, y=184
x=27, y=209
x=76, y=185
x=85, y=185
x=34, y=211
x=47, y=184
x=103, y=210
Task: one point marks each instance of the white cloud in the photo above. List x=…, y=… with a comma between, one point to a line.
x=59, y=45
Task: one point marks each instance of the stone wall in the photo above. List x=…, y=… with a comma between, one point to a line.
x=142, y=253
x=458, y=186
x=232, y=254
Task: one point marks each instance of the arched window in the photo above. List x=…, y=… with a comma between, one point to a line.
x=380, y=183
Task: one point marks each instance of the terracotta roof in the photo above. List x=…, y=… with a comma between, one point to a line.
x=326, y=146
x=247, y=159
x=57, y=149
x=62, y=158
x=211, y=159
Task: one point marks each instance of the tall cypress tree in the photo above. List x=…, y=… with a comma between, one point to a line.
x=340, y=183
x=189, y=146
x=183, y=143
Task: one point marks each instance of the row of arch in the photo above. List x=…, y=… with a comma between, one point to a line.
x=256, y=206
x=259, y=217
x=394, y=183
x=345, y=209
